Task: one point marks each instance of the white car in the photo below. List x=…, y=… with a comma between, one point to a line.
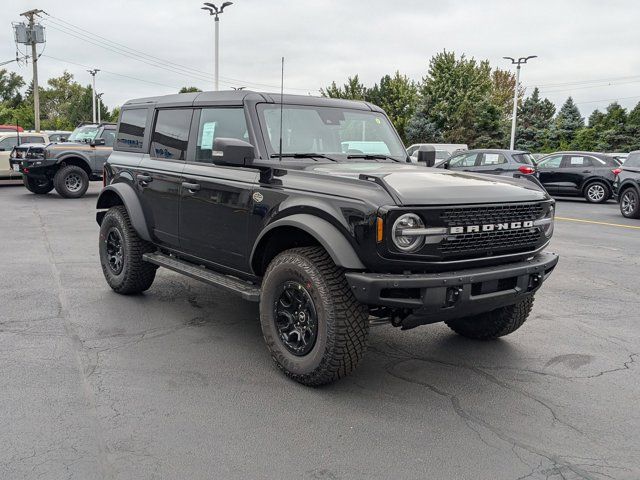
x=8, y=140
x=443, y=150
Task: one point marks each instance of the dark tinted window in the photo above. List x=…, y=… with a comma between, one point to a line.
x=171, y=134
x=525, y=158
x=219, y=123
x=633, y=160
x=131, y=133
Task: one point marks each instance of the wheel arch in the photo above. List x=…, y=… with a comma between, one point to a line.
x=123, y=194
x=589, y=181
x=627, y=185
x=302, y=230
x=74, y=159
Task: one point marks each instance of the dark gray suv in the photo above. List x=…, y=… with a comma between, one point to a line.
x=512, y=163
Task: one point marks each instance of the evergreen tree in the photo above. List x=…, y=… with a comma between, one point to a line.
x=352, y=90
x=567, y=123
x=398, y=97
x=534, y=117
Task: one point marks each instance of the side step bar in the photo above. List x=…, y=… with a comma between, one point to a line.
x=231, y=284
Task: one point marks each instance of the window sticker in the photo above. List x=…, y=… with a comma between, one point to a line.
x=208, y=134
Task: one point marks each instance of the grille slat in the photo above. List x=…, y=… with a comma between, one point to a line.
x=493, y=242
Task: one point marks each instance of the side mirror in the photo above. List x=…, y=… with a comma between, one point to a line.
x=427, y=155
x=62, y=139
x=97, y=142
x=232, y=151
x=2, y=149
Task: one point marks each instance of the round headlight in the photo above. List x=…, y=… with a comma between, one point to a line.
x=402, y=238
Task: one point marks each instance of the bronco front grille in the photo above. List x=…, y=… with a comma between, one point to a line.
x=495, y=242
x=460, y=216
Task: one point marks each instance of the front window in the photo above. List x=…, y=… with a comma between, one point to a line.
x=329, y=131
x=86, y=133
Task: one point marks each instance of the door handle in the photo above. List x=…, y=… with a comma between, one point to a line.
x=586, y=171
x=499, y=169
x=144, y=178
x=192, y=187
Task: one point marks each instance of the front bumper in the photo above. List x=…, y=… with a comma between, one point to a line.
x=435, y=297
x=36, y=167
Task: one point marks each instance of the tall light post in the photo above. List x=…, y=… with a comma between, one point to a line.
x=520, y=61
x=93, y=91
x=213, y=10
x=99, y=99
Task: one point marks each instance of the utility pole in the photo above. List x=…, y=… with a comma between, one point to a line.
x=30, y=15
x=213, y=10
x=93, y=91
x=520, y=61
x=99, y=98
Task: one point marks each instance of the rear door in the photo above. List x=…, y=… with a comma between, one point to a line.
x=492, y=163
x=159, y=176
x=574, y=169
x=548, y=173
x=216, y=200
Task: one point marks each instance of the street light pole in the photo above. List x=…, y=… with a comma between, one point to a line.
x=93, y=91
x=99, y=99
x=213, y=10
x=520, y=61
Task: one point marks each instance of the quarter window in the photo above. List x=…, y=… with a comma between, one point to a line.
x=171, y=134
x=131, y=129
x=219, y=123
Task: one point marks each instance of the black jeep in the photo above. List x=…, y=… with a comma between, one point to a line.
x=67, y=166
x=312, y=208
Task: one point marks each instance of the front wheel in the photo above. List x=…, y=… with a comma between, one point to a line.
x=494, y=324
x=597, y=192
x=630, y=203
x=39, y=186
x=314, y=327
x=121, y=251
x=71, y=181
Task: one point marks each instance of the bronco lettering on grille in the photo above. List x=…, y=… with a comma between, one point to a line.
x=490, y=227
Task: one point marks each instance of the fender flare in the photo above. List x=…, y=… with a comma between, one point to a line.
x=327, y=235
x=129, y=199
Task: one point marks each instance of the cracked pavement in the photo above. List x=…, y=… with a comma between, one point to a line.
x=177, y=383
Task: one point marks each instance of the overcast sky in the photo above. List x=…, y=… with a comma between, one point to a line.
x=577, y=42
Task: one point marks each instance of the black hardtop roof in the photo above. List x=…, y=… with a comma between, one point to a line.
x=239, y=97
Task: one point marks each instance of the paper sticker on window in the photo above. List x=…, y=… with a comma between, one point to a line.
x=208, y=133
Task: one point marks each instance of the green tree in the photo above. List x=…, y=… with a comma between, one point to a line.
x=566, y=125
x=398, y=97
x=10, y=85
x=352, y=90
x=534, y=117
x=189, y=90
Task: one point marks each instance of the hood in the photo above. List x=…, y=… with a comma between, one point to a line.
x=417, y=185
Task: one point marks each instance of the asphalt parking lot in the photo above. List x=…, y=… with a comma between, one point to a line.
x=177, y=383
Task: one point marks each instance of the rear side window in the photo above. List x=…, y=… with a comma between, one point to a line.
x=131, y=129
x=577, y=161
x=171, y=134
x=492, y=159
x=524, y=158
x=633, y=160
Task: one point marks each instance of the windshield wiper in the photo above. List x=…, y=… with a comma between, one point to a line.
x=369, y=156
x=303, y=155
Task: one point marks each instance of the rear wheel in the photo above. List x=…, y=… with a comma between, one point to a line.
x=597, y=192
x=630, y=203
x=314, y=327
x=39, y=186
x=71, y=181
x=121, y=251
x=494, y=324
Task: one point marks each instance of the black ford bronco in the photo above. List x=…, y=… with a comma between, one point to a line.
x=311, y=207
x=67, y=166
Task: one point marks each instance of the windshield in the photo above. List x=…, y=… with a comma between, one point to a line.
x=334, y=132
x=84, y=133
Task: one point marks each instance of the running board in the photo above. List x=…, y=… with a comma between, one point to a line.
x=231, y=284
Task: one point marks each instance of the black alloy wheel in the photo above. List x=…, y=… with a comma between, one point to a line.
x=630, y=203
x=115, y=250
x=296, y=318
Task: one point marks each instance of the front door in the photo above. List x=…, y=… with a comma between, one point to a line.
x=548, y=173
x=216, y=200
x=159, y=175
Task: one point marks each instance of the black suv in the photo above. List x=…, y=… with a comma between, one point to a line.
x=578, y=174
x=67, y=166
x=512, y=163
x=324, y=225
x=626, y=187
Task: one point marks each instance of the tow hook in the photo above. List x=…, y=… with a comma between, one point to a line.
x=534, y=281
x=453, y=295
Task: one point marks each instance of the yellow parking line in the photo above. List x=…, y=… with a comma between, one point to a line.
x=566, y=219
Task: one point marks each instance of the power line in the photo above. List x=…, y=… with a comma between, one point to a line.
x=74, y=30
x=583, y=87
x=584, y=82
x=608, y=100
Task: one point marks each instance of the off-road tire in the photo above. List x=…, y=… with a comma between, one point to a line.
x=136, y=275
x=342, y=322
x=494, y=324
x=597, y=185
x=630, y=203
x=36, y=186
x=63, y=185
